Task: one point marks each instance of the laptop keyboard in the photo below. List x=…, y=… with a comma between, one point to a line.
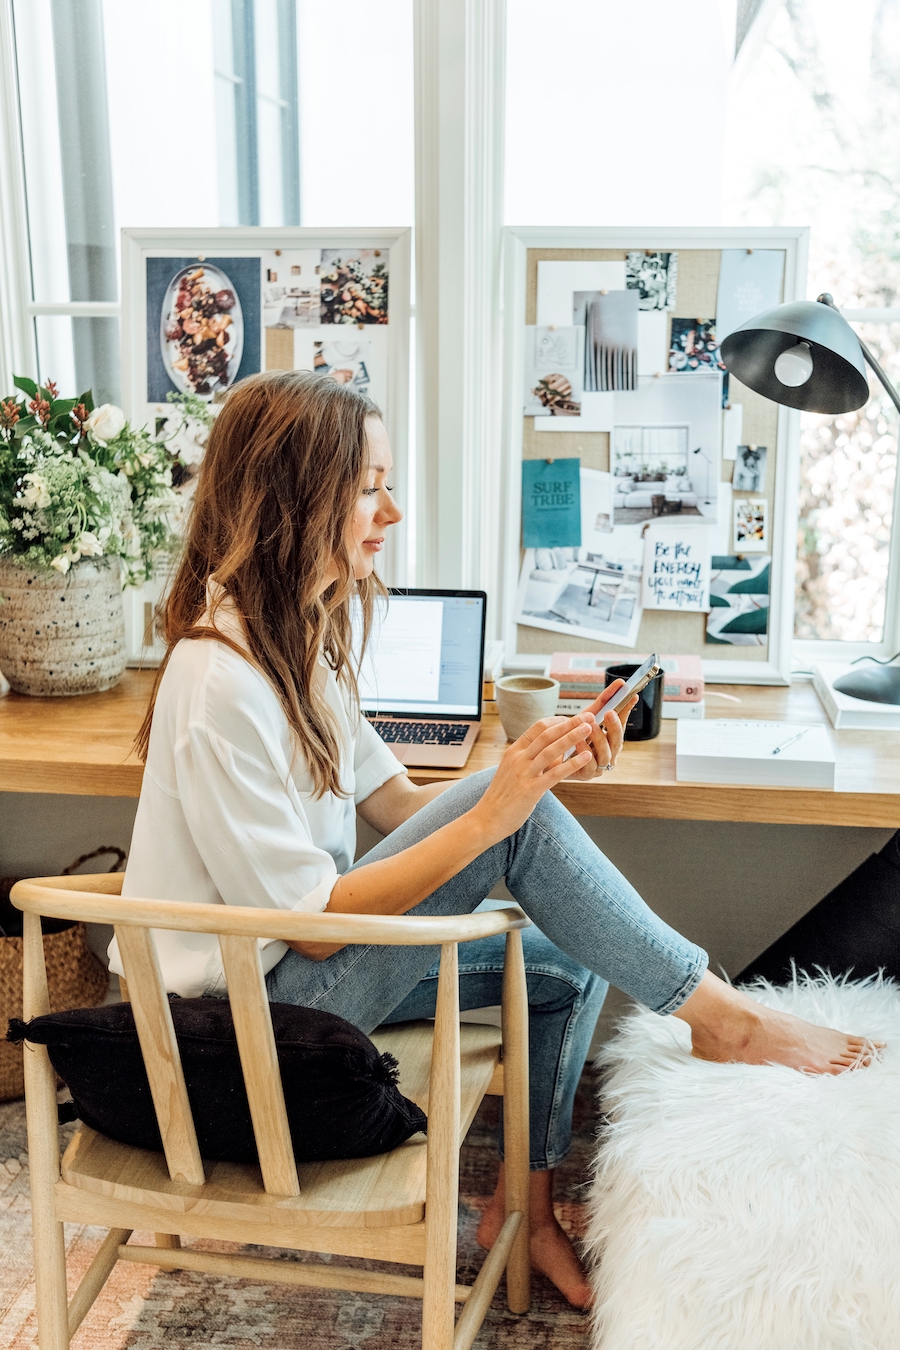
x=421, y=733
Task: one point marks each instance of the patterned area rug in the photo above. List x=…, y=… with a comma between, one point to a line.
x=146, y=1309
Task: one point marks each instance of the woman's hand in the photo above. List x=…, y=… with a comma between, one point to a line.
x=607, y=732
x=531, y=766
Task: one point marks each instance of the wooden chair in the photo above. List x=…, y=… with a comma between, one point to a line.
x=400, y=1206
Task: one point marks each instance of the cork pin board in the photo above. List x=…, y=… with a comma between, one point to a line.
x=761, y=481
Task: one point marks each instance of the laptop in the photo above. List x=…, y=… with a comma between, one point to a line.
x=420, y=683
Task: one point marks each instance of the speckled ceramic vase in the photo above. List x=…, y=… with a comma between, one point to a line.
x=62, y=635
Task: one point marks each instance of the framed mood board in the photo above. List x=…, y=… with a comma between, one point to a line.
x=202, y=309
x=652, y=499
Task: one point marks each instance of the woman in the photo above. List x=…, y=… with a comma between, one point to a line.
x=258, y=760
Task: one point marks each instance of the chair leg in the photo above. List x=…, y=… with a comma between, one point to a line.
x=43, y=1157
x=442, y=1179
x=516, y=1145
x=49, y=1244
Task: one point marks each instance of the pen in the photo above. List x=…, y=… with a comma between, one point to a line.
x=784, y=744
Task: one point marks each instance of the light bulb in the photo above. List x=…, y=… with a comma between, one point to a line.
x=795, y=365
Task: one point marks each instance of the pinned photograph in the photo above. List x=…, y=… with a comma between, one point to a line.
x=554, y=359
x=352, y=356
x=291, y=288
x=610, y=321
x=203, y=325
x=750, y=468
x=750, y=281
x=665, y=450
x=354, y=285
x=654, y=276
x=347, y=361
x=751, y=533
x=739, y=601
x=590, y=593
x=693, y=346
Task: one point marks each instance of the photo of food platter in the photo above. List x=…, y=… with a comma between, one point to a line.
x=201, y=330
x=354, y=286
x=203, y=324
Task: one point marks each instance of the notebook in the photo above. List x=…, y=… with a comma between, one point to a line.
x=420, y=683
x=762, y=754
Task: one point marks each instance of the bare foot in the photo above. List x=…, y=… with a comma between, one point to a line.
x=552, y=1252
x=727, y=1026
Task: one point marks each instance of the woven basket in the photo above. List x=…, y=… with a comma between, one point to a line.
x=75, y=977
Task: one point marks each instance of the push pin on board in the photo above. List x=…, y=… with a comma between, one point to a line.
x=549, y=461
x=201, y=257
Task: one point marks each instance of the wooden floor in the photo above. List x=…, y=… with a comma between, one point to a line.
x=83, y=745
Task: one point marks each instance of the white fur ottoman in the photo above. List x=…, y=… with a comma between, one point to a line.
x=737, y=1207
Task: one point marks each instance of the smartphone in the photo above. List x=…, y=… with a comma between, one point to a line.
x=638, y=681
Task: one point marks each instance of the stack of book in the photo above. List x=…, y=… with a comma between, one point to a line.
x=582, y=676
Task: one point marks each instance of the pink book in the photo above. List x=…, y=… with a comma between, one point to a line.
x=584, y=673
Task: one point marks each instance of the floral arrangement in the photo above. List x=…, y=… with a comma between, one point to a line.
x=80, y=482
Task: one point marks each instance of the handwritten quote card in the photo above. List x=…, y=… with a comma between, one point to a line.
x=676, y=568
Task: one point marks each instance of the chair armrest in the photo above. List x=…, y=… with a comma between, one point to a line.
x=82, y=898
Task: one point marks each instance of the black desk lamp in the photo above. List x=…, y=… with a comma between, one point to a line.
x=805, y=355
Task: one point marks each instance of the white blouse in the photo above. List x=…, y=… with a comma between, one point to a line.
x=227, y=813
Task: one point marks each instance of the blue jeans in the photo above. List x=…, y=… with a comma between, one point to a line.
x=593, y=929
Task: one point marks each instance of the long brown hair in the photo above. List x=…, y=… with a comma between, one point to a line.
x=281, y=475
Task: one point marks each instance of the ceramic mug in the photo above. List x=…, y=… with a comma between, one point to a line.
x=523, y=700
x=645, y=719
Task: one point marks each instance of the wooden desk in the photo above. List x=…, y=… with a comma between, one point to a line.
x=83, y=745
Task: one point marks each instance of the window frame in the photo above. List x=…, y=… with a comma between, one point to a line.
x=808, y=652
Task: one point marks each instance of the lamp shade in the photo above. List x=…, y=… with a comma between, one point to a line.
x=838, y=380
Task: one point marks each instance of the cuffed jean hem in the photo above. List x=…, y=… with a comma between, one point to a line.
x=681, y=996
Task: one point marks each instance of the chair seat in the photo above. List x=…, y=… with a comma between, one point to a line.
x=384, y=1191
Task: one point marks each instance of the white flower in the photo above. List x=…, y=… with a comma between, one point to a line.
x=61, y=562
x=37, y=493
x=89, y=545
x=105, y=422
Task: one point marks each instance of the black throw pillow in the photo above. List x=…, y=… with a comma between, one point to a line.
x=855, y=928
x=341, y=1095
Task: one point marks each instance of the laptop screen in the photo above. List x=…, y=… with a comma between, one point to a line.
x=425, y=655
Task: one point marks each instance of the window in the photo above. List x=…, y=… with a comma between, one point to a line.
x=812, y=130
x=211, y=112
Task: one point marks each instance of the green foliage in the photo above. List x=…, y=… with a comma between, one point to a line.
x=193, y=408
x=78, y=482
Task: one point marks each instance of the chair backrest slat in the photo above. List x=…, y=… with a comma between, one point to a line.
x=159, y=1047
x=259, y=1061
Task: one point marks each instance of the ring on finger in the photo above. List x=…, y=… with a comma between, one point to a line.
x=609, y=767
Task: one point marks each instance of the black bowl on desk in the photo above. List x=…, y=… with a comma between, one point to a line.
x=645, y=721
